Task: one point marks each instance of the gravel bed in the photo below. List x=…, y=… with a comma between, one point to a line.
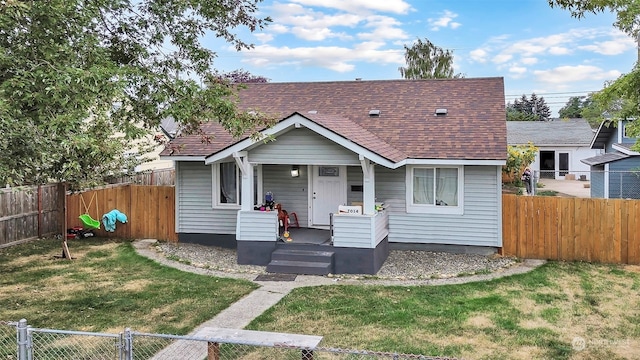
x=401, y=264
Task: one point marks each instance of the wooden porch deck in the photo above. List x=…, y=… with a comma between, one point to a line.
x=308, y=236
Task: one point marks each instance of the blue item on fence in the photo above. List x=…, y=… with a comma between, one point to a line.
x=109, y=219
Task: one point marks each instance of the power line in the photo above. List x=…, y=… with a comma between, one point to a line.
x=556, y=93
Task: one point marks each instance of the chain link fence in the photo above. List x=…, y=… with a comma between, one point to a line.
x=611, y=184
x=8, y=340
x=21, y=342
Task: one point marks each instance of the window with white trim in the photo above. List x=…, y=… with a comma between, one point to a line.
x=433, y=189
x=227, y=184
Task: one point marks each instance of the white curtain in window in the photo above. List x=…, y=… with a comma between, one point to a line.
x=423, y=186
x=447, y=187
x=228, y=183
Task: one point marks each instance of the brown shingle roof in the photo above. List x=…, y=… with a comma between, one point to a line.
x=474, y=127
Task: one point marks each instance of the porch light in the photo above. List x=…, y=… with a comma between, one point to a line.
x=295, y=171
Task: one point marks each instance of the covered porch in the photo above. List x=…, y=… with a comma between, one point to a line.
x=353, y=240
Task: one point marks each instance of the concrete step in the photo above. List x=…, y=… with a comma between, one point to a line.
x=300, y=267
x=302, y=255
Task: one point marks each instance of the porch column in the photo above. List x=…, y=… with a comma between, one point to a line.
x=247, y=180
x=368, y=186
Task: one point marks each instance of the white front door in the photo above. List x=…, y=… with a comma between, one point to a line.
x=329, y=190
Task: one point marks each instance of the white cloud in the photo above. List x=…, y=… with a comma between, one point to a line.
x=311, y=25
x=618, y=45
x=502, y=58
x=335, y=58
x=446, y=20
x=529, y=60
x=566, y=74
x=383, y=27
x=517, y=70
x=559, y=50
x=264, y=37
x=478, y=55
x=360, y=6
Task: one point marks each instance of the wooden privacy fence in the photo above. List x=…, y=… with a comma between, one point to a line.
x=150, y=210
x=570, y=229
x=27, y=213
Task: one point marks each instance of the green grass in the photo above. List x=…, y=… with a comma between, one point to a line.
x=547, y=193
x=106, y=288
x=533, y=315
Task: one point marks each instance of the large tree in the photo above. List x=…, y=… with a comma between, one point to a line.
x=573, y=108
x=620, y=99
x=528, y=109
x=82, y=80
x=427, y=61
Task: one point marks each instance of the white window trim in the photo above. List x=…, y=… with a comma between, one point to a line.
x=215, y=186
x=434, y=209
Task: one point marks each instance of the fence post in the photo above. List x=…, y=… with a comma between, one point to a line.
x=128, y=344
x=23, y=340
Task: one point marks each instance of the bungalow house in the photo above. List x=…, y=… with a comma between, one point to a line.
x=561, y=143
x=616, y=173
x=363, y=165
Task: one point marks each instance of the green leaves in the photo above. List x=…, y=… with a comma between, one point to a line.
x=427, y=61
x=84, y=82
x=619, y=100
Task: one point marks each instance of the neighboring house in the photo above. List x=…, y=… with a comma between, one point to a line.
x=616, y=173
x=167, y=131
x=561, y=143
x=429, y=151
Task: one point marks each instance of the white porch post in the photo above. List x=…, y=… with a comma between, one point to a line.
x=368, y=186
x=247, y=180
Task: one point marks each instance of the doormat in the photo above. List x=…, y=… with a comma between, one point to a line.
x=276, y=277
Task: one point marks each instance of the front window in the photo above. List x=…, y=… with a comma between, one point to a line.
x=230, y=184
x=227, y=184
x=434, y=189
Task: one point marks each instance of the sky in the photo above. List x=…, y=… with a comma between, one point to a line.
x=535, y=48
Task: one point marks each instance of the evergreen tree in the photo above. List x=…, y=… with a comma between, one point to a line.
x=573, y=108
x=528, y=109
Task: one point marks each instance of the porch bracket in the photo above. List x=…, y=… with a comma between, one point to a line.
x=246, y=169
x=369, y=186
x=242, y=162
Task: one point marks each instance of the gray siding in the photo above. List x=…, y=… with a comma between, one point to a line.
x=597, y=181
x=623, y=183
x=479, y=225
x=257, y=226
x=194, y=202
x=359, y=231
x=354, y=178
x=292, y=193
x=303, y=146
x=390, y=188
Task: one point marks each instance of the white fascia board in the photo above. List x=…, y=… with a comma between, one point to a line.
x=182, y=158
x=449, y=162
x=624, y=150
x=296, y=121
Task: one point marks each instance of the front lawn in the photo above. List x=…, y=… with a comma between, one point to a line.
x=106, y=288
x=559, y=311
